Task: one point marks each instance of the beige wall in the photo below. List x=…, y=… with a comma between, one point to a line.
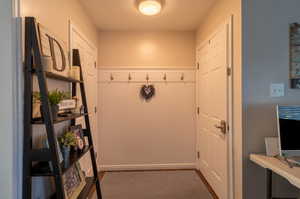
x=156, y=134
x=266, y=61
x=146, y=49
x=55, y=15
x=220, y=12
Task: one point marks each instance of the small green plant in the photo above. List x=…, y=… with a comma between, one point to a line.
x=68, y=139
x=55, y=97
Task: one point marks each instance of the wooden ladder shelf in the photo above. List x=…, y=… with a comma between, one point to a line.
x=33, y=66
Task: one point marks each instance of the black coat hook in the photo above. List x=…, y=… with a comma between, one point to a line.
x=182, y=77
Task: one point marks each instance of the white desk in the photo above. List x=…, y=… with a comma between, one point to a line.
x=279, y=167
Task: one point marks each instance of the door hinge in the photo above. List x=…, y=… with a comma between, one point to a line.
x=198, y=66
x=198, y=110
x=229, y=71
x=198, y=154
x=95, y=65
x=95, y=109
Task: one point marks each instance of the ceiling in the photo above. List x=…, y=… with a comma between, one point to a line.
x=177, y=15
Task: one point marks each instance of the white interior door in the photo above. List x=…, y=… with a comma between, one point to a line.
x=88, y=56
x=214, y=115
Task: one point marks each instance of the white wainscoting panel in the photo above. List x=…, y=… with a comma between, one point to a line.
x=136, y=134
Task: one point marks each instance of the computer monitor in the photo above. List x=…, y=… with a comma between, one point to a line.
x=288, y=120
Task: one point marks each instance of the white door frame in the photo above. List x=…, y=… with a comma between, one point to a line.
x=228, y=22
x=73, y=28
x=18, y=100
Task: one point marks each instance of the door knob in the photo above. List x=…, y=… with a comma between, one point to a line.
x=222, y=127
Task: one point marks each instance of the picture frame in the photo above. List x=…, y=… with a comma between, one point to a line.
x=77, y=130
x=67, y=104
x=294, y=55
x=74, y=181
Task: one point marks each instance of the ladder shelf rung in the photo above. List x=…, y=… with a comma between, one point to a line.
x=60, y=119
x=41, y=154
x=45, y=162
x=86, y=191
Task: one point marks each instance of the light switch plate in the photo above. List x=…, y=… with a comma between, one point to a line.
x=277, y=90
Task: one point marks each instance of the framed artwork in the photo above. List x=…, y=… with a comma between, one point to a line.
x=77, y=130
x=74, y=181
x=295, y=55
x=295, y=83
x=67, y=104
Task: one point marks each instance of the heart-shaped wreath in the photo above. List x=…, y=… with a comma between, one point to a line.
x=147, y=91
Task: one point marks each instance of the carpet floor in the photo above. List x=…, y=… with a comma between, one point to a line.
x=153, y=185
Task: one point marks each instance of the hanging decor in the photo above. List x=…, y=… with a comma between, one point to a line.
x=53, y=49
x=295, y=55
x=147, y=92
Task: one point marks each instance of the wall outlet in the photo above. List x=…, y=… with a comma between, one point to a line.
x=277, y=90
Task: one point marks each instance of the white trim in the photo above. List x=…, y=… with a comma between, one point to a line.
x=18, y=85
x=230, y=109
x=139, y=75
x=130, y=167
x=143, y=82
x=171, y=68
x=228, y=22
x=16, y=8
x=74, y=28
x=196, y=107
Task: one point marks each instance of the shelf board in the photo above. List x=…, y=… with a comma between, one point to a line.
x=60, y=119
x=90, y=183
x=86, y=191
x=61, y=78
x=43, y=168
x=56, y=76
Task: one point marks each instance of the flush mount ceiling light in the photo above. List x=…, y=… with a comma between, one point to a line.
x=150, y=7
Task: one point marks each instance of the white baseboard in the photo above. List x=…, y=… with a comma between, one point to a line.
x=130, y=167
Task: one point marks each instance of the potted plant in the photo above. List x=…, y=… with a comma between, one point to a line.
x=55, y=97
x=67, y=140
